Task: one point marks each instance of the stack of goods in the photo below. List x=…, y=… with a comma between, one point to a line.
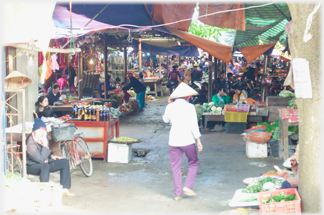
x=94, y=112
x=210, y=108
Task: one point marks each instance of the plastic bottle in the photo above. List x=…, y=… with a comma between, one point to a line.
x=83, y=113
x=97, y=114
x=79, y=112
x=101, y=113
x=86, y=113
x=93, y=114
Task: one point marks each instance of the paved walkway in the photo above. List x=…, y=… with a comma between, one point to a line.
x=145, y=185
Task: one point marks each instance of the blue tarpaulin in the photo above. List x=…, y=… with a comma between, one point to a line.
x=189, y=51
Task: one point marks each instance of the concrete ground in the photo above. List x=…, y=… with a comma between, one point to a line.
x=145, y=185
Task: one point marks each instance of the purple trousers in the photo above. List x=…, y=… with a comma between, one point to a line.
x=176, y=154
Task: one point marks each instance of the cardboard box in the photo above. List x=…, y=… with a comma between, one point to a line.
x=119, y=153
x=256, y=150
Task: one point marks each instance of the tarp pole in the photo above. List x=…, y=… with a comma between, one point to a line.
x=80, y=69
x=151, y=58
x=160, y=65
x=139, y=54
x=168, y=65
x=125, y=59
x=264, y=88
x=215, y=70
x=106, y=66
x=24, y=149
x=210, y=77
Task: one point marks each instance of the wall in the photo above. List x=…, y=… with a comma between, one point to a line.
x=309, y=110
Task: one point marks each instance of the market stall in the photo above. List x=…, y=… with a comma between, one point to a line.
x=155, y=85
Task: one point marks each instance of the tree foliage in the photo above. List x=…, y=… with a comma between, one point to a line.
x=205, y=31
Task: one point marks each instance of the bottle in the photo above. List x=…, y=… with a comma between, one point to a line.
x=101, y=113
x=90, y=113
x=75, y=111
x=94, y=114
x=82, y=112
x=79, y=112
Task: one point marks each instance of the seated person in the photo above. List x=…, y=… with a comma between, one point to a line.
x=41, y=161
x=53, y=95
x=291, y=181
x=43, y=109
x=220, y=96
x=239, y=97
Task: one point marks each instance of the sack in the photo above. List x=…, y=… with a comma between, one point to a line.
x=64, y=132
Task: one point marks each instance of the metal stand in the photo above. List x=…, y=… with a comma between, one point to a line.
x=10, y=115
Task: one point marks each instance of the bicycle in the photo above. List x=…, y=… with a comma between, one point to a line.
x=13, y=161
x=78, y=154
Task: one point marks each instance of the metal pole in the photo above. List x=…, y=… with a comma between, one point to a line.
x=106, y=66
x=264, y=88
x=210, y=77
x=125, y=59
x=80, y=69
x=160, y=65
x=168, y=65
x=139, y=54
x=23, y=134
x=215, y=69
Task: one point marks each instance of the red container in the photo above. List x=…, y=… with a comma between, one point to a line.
x=280, y=207
x=260, y=137
x=230, y=108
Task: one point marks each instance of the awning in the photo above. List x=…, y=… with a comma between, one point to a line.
x=252, y=52
x=232, y=20
x=218, y=50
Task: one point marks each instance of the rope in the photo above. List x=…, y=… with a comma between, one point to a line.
x=15, y=55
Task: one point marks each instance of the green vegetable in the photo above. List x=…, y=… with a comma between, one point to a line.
x=291, y=103
x=258, y=187
x=282, y=197
x=286, y=94
x=292, y=130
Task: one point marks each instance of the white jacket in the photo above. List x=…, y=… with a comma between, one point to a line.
x=184, y=125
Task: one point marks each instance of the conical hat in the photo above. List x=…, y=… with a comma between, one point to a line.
x=16, y=80
x=183, y=90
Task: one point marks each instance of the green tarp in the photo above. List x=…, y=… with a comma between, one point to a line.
x=263, y=25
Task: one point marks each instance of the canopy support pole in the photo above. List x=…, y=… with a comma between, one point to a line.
x=80, y=69
x=210, y=77
x=264, y=88
x=125, y=59
x=106, y=66
x=139, y=54
x=160, y=65
x=215, y=71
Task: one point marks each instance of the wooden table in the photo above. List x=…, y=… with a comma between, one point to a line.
x=156, y=83
x=220, y=118
x=68, y=107
x=287, y=117
x=97, y=135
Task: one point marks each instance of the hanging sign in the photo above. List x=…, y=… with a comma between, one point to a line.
x=302, y=80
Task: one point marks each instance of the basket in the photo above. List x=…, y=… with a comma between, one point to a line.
x=280, y=207
x=242, y=107
x=260, y=137
x=230, y=108
x=236, y=116
x=64, y=132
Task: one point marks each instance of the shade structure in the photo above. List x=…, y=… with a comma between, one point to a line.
x=252, y=52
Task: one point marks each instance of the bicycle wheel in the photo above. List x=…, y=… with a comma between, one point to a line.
x=85, y=157
x=65, y=154
x=14, y=167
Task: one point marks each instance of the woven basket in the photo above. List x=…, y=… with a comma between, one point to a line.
x=260, y=137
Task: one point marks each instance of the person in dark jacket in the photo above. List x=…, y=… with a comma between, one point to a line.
x=196, y=73
x=53, y=95
x=43, y=109
x=41, y=161
x=139, y=88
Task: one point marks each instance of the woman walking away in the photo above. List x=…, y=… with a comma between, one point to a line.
x=184, y=130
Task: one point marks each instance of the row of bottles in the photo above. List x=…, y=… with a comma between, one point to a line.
x=91, y=113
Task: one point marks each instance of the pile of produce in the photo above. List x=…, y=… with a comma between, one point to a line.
x=149, y=98
x=279, y=198
x=262, y=185
x=66, y=117
x=292, y=104
x=114, y=112
x=273, y=128
x=129, y=106
x=125, y=139
x=286, y=94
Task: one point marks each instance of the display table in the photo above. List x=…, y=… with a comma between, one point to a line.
x=220, y=118
x=69, y=107
x=287, y=117
x=156, y=84
x=97, y=135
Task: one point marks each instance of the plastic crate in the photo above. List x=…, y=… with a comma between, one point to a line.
x=274, y=148
x=230, y=108
x=236, y=116
x=235, y=127
x=280, y=207
x=242, y=107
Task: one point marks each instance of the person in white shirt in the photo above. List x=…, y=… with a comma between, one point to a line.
x=183, y=135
